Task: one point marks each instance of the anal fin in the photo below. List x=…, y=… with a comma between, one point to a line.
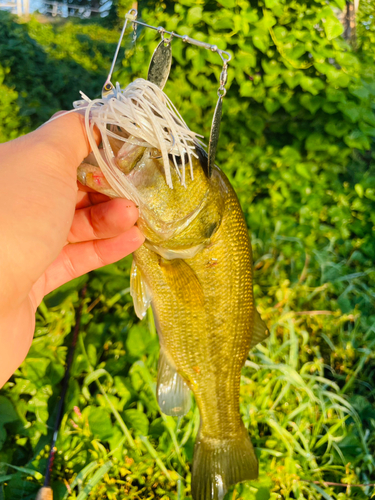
x=260, y=330
x=172, y=391
x=139, y=292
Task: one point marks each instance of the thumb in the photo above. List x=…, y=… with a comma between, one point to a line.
x=66, y=134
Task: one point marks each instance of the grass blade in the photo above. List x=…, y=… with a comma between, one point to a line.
x=96, y=478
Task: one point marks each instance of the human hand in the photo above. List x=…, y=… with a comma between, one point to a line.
x=51, y=231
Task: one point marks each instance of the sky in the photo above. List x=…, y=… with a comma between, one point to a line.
x=35, y=5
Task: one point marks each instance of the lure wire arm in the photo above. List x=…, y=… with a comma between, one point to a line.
x=132, y=17
x=108, y=86
x=160, y=67
x=225, y=56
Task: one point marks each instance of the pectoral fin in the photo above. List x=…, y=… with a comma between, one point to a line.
x=183, y=281
x=260, y=330
x=172, y=391
x=139, y=291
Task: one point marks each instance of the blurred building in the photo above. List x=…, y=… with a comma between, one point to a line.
x=19, y=7
x=82, y=9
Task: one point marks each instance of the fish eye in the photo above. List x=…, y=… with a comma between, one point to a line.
x=155, y=154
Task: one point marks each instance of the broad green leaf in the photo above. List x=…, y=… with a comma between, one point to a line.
x=100, y=423
x=220, y=23
x=312, y=85
x=336, y=128
x=336, y=95
x=35, y=369
x=351, y=110
x=297, y=50
x=271, y=67
x=357, y=139
x=303, y=170
x=369, y=116
x=7, y=415
x=341, y=4
x=330, y=108
x=138, y=340
x=271, y=105
x=290, y=155
x=359, y=190
x=272, y=80
x=137, y=421
x=246, y=89
x=123, y=388
x=261, y=40
x=263, y=494
x=256, y=124
x=332, y=27
x=316, y=142
x=312, y=103
x=292, y=78
x=258, y=93
x=359, y=91
x=367, y=129
x=7, y=411
x=157, y=428
x=194, y=14
x=229, y=4
x=271, y=4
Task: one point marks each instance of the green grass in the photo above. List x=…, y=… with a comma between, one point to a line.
x=298, y=152
x=306, y=395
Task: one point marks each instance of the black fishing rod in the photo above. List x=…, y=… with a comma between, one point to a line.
x=46, y=493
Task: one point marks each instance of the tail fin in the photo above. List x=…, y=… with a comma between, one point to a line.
x=218, y=464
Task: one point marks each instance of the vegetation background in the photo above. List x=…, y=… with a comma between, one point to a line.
x=297, y=142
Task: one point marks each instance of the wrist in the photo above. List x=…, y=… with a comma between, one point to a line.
x=16, y=335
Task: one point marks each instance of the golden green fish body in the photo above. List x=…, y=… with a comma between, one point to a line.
x=195, y=268
x=204, y=310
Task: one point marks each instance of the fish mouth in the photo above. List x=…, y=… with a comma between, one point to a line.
x=139, y=169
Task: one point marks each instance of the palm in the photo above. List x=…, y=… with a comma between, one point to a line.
x=51, y=231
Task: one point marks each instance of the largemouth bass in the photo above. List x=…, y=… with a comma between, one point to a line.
x=195, y=270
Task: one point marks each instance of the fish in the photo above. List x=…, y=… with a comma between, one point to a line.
x=195, y=270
